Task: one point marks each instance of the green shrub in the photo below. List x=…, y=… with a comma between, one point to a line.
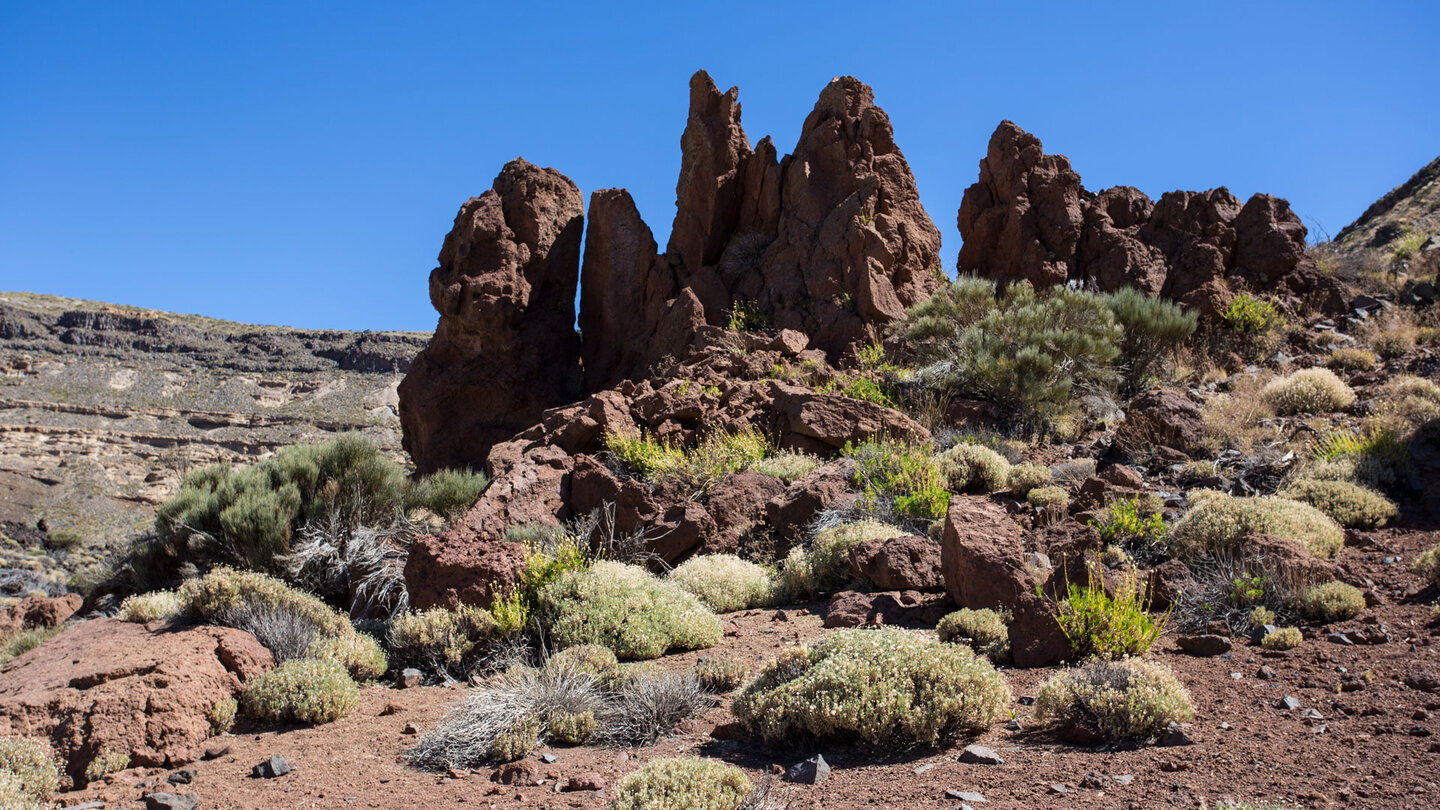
x=1027, y=477
x=719, y=676
x=896, y=476
x=1126, y=700
x=885, y=686
x=724, y=582
x=360, y=654
x=575, y=728
x=1333, y=602
x=1025, y=351
x=984, y=631
x=108, y=762
x=683, y=783
x=1252, y=316
x=143, y=608
x=447, y=493
x=1282, y=638
x=14, y=797
x=1310, y=390
x=25, y=641
x=1350, y=359
x=787, y=465
x=1350, y=505
x=222, y=714
x=444, y=640
x=1427, y=565
x=1042, y=497
x=30, y=761
x=64, y=539
x=1153, y=329
x=1136, y=525
x=1100, y=625
x=301, y=691
x=746, y=316
x=627, y=609
x=590, y=659
x=1261, y=616
x=1218, y=521
x=713, y=458
x=519, y=741
x=974, y=468
x=825, y=565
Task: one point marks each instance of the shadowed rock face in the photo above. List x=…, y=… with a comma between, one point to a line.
x=1030, y=219
x=505, y=348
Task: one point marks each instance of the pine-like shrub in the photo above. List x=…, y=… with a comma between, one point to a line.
x=1311, y=390
x=683, y=783
x=1153, y=330
x=447, y=493
x=627, y=609
x=1101, y=625
x=901, y=478
x=724, y=582
x=1130, y=699
x=1350, y=505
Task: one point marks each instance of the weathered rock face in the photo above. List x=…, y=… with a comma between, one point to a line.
x=980, y=555
x=905, y=563
x=505, y=348
x=38, y=611
x=1164, y=418
x=106, y=686
x=1029, y=218
x=453, y=568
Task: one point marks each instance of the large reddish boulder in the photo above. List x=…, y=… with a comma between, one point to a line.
x=905, y=563
x=39, y=611
x=1163, y=418
x=662, y=521
x=505, y=348
x=857, y=609
x=106, y=686
x=455, y=568
x=981, y=555
x=738, y=504
x=830, y=421
x=791, y=512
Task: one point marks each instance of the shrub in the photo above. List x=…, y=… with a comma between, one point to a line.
x=1311, y=390
x=719, y=676
x=1137, y=526
x=358, y=653
x=1414, y=399
x=1024, y=350
x=64, y=539
x=1282, y=638
x=1333, y=602
x=884, y=686
x=627, y=609
x=1217, y=522
x=25, y=641
x=1427, y=565
x=642, y=706
x=1103, y=626
x=1261, y=616
x=1025, y=477
x=1350, y=359
x=586, y=658
x=1126, y=700
x=108, y=762
x=30, y=761
x=447, y=493
x=301, y=691
x=1042, y=497
x=143, y=608
x=895, y=476
x=984, y=631
x=825, y=565
x=1392, y=334
x=442, y=640
x=713, y=458
x=787, y=465
x=1352, y=506
x=683, y=783
x=1252, y=316
x=1072, y=472
x=1153, y=330
x=222, y=714
x=974, y=468
x=724, y=582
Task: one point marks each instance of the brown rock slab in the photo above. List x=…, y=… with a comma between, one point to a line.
x=906, y=563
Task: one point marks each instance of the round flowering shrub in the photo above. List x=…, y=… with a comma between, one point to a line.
x=1216, y=522
x=1311, y=390
x=683, y=783
x=1130, y=699
x=724, y=582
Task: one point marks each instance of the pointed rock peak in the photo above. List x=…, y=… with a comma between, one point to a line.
x=707, y=195
x=845, y=97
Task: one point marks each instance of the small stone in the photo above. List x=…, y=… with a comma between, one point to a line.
x=1311, y=714
x=410, y=728
x=170, y=801
x=1287, y=703
x=1420, y=731
x=780, y=616
x=1124, y=779
x=1173, y=766
x=1258, y=634
x=1340, y=638
x=589, y=780
x=1094, y=780
x=410, y=678
x=1266, y=674
x=1013, y=725
x=1236, y=676
x=1206, y=646
x=812, y=771
x=1420, y=714
x=516, y=773
x=1027, y=701
x=181, y=777
x=923, y=768
x=216, y=750
x=548, y=758
x=966, y=796
x=1059, y=788
x=1224, y=726
x=1175, y=736
x=271, y=768
x=980, y=755
x=392, y=708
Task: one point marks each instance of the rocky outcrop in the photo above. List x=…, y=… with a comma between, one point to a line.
x=1029, y=218
x=884, y=609
x=1163, y=418
x=38, y=611
x=905, y=563
x=453, y=568
x=505, y=349
x=105, y=687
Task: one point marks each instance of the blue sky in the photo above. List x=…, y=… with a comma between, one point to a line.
x=299, y=162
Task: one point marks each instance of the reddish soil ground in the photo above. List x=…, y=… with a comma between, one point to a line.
x=1376, y=745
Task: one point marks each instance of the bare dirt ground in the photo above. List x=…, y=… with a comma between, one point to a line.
x=1375, y=744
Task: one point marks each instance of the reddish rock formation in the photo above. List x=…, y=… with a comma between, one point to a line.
x=905, y=563
x=505, y=348
x=453, y=568
x=981, y=555
x=106, y=686
x=1030, y=219
x=1163, y=418
x=38, y=611
x=856, y=609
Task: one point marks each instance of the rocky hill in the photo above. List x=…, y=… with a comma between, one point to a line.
x=1396, y=240
x=103, y=408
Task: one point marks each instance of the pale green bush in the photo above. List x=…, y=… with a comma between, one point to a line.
x=627, y=609
x=1042, y=497
x=591, y=659
x=1350, y=505
x=301, y=691
x=107, y=762
x=360, y=654
x=720, y=676
x=825, y=565
x=724, y=582
x=974, y=468
x=32, y=765
x=143, y=608
x=1311, y=390
x=683, y=783
x=1131, y=699
x=885, y=686
x=1027, y=477
x=13, y=795
x=1427, y=565
x=787, y=465
x=25, y=641
x=1350, y=359
x=984, y=631
x=1216, y=522
x=444, y=640
x=1282, y=638
x=222, y=714
x=1261, y=616
x=1333, y=602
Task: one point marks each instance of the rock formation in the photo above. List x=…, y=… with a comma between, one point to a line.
x=1028, y=218
x=505, y=349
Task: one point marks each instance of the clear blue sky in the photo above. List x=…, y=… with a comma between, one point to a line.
x=300, y=162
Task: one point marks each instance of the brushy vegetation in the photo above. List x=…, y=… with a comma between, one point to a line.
x=143, y=608
x=1027, y=477
x=1137, y=526
x=25, y=641
x=446, y=641
x=1252, y=316
x=825, y=564
x=1153, y=330
x=1101, y=625
x=1333, y=602
x=247, y=516
x=1310, y=390
x=1216, y=522
x=106, y=762
x=1427, y=565
x=724, y=582
x=899, y=478
x=1350, y=505
x=984, y=631
x=974, y=468
x=720, y=676
x=1282, y=638
x=696, y=469
x=1126, y=700
x=787, y=465
x=1350, y=359
x=32, y=766
x=683, y=783
x=627, y=609
x=1042, y=497
x=301, y=691
x=222, y=714
x=886, y=686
